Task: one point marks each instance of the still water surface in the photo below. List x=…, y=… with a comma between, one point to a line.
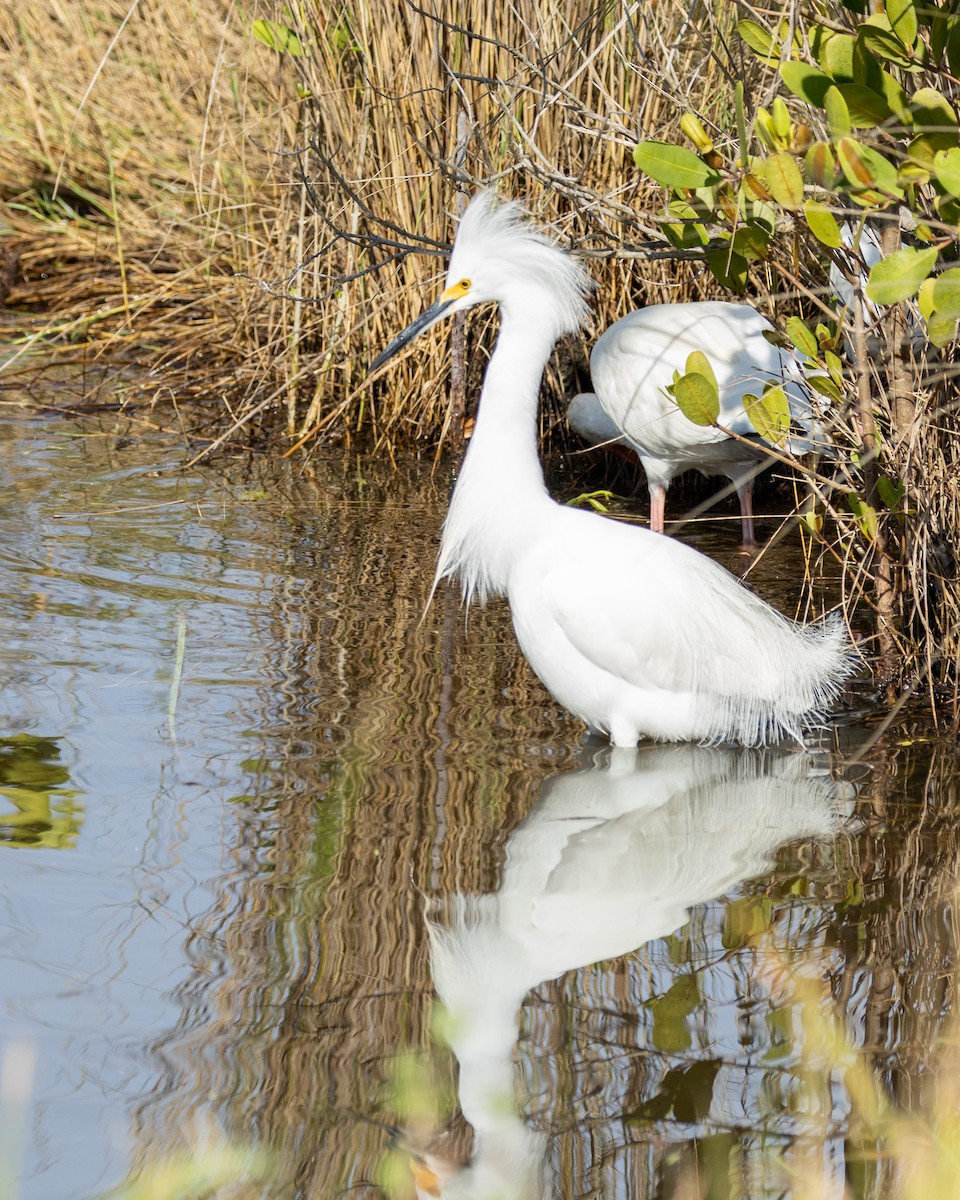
x=256, y=819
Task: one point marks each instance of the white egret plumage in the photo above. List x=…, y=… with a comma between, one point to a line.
x=613, y=856
x=636, y=634
x=633, y=364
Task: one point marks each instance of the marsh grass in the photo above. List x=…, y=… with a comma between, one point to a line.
x=253, y=224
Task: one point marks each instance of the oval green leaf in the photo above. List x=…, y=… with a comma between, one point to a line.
x=932, y=112
x=699, y=364
x=887, y=47
x=820, y=165
x=697, y=397
x=866, y=516
x=728, y=268
x=806, y=82
x=898, y=277
x=802, y=337
x=764, y=44
x=673, y=166
x=946, y=292
x=783, y=179
x=838, y=115
x=837, y=57
x=769, y=414
x=902, y=16
x=946, y=167
x=822, y=224
x=865, y=108
x=863, y=167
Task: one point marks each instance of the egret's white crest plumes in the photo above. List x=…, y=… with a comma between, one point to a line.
x=633, y=364
x=636, y=634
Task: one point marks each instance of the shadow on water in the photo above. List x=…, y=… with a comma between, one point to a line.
x=240, y=771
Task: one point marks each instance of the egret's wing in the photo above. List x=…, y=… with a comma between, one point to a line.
x=657, y=614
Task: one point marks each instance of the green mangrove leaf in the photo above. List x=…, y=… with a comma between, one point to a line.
x=866, y=516
x=699, y=364
x=277, y=37
x=697, y=397
x=802, y=337
x=946, y=167
x=946, y=292
x=887, y=47
x=898, y=277
x=865, y=107
x=673, y=166
x=902, y=16
x=765, y=45
x=752, y=241
x=890, y=493
x=932, y=112
x=769, y=414
x=864, y=168
x=820, y=164
x=783, y=179
x=825, y=386
x=728, y=268
x=806, y=82
x=838, y=115
x=822, y=224
x=837, y=58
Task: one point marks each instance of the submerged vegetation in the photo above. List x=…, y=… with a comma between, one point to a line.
x=251, y=201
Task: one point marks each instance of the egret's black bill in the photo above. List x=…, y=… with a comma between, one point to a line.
x=427, y=318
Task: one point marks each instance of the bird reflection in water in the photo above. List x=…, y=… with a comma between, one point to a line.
x=614, y=855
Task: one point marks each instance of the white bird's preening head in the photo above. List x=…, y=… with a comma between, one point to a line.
x=500, y=256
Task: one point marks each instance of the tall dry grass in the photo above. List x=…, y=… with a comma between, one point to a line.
x=253, y=224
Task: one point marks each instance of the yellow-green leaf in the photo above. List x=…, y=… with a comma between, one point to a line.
x=820, y=164
x=769, y=414
x=802, y=337
x=805, y=81
x=699, y=364
x=825, y=386
x=946, y=167
x=697, y=397
x=837, y=58
x=941, y=329
x=277, y=37
x=903, y=20
x=673, y=166
x=782, y=177
x=898, y=277
x=764, y=44
x=866, y=516
x=946, y=292
x=887, y=47
x=822, y=224
x=932, y=112
x=865, y=107
x=865, y=168
x=838, y=116
x=890, y=493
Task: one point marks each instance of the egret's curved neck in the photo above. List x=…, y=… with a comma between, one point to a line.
x=501, y=481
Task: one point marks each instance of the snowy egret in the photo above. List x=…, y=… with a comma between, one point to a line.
x=636, y=634
x=634, y=362
x=613, y=856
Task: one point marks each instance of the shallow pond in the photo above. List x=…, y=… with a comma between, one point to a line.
x=259, y=816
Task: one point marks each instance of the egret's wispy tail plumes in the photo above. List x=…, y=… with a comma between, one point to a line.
x=639, y=635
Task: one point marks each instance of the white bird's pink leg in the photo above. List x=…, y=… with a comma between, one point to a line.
x=745, y=494
x=658, y=501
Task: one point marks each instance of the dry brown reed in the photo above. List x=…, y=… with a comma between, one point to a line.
x=255, y=224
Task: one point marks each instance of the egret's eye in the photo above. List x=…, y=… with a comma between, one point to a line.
x=464, y=285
